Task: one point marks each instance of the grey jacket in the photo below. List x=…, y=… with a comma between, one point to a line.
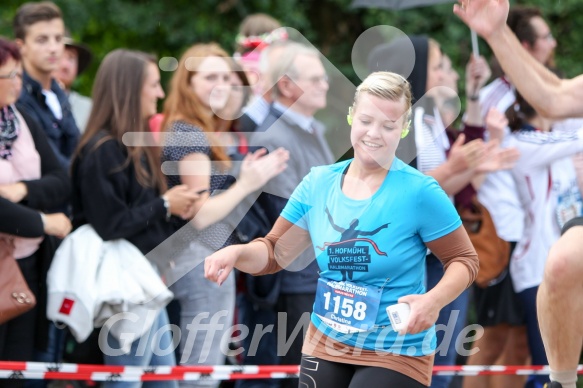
x=306, y=150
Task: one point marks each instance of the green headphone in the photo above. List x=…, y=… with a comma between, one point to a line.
x=405, y=131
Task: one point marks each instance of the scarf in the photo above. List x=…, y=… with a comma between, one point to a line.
x=9, y=130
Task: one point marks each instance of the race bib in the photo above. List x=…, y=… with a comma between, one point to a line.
x=347, y=307
x=569, y=206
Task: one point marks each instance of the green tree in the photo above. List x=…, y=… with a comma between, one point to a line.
x=166, y=28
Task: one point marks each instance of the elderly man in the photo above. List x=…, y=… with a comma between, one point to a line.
x=300, y=89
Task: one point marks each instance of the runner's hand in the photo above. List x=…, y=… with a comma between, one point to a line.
x=424, y=313
x=219, y=265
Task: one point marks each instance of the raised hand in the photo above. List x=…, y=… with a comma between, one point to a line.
x=486, y=17
x=477, y=74
x=496, y=123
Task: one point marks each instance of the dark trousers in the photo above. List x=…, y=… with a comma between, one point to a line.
x=535, y=342
x=298, y=308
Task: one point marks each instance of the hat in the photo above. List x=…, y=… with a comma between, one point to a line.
x=84, y=54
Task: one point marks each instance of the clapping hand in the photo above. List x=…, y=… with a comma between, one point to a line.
x=258, y=168
x=498, y=159
x=466, y=156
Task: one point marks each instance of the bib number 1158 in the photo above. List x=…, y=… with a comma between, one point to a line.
x=345, y=306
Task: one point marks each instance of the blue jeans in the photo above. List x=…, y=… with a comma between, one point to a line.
x=535, y=343
x=456, y=311
x=53, y=353
x=152, y=349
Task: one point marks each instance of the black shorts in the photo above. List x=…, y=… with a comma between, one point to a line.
x=498, y=304
x=577, y=221
x=318, y=373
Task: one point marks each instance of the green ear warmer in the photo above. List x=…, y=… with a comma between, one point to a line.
x=349, y=116
x=405, y=131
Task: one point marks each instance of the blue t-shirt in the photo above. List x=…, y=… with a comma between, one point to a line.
x=376, y=243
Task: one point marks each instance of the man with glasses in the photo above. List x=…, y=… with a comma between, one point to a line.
x=39, y=30
x=559, y=302
x=300, y=89
x=534, y=33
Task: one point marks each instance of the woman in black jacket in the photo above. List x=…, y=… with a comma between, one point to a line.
x=119, y=188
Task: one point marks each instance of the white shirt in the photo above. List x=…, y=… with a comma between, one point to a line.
x=53, y=103
x=543, y=174
x=257, y=110
x=430, y=139
x=498, y=193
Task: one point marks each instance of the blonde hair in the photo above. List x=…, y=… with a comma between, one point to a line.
x=387, y=86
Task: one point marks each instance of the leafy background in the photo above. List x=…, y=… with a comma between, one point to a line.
x=166, y=28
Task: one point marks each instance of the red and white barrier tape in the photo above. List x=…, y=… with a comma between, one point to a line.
x=49, y=371
x=489, y=370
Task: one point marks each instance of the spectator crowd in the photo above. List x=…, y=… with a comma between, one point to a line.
x=215, y=168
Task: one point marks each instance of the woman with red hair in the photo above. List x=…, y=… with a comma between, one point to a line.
x=196, y=154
